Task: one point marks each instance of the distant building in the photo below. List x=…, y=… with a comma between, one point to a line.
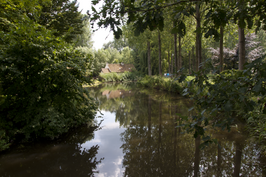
x=118, y=68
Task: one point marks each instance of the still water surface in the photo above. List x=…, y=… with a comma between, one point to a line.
x=137, y=136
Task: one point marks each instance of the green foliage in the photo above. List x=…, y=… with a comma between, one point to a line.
x=63, y=17
x=230, y=96
x=158, y=82
x=41, y=84
x=121, y=77
x=85, y=38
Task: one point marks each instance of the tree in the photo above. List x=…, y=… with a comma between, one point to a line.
x=63, y=17
x=117, y=44
x=253, y=49
x=85, y=38
x=160, y=53
x=149, y=57
x=241, y=36
x=41, y=78
x=127, y=56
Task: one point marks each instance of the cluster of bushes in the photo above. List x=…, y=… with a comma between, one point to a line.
x=120, y=77
x=162, y=83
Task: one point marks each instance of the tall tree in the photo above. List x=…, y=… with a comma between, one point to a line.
x=85, y=38
x=175, y=54
x=179, y=53
x=63, y=17
x=198, y=34
x=241, y=36
x=149, y=57
x=160, y=54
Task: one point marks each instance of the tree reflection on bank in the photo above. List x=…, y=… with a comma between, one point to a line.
x=154, y=146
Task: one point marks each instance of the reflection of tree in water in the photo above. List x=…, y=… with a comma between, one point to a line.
x=236, y=156
x=55, y=159
x=151, y=142
x=153, y=146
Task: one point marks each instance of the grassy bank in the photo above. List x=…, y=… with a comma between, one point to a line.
x=116, y=77
x=165, y=84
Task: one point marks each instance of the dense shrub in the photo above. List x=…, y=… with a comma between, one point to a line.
x=230, y=97
x=41, y=85
x=120, y=77
x=161, y=83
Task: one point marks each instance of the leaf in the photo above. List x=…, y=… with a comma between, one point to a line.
x=94, y=2
x=93, y=9
x=205, y=138
x=228, y=106
x=257, y=86
x=264, y=109
x=174, y=30
x=190, y=109
x=203, y=112
x=193, y=124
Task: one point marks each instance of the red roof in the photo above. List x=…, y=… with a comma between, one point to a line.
x=105, y=70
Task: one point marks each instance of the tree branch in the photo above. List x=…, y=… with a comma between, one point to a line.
x=164, y=6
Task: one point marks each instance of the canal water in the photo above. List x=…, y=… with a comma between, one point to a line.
x=137, y=135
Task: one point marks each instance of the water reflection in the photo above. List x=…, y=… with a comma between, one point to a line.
x=153, y=146
x=53, y=159
x=138, y=137
x=108, y=138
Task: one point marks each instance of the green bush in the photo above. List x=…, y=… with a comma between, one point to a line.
x=120, y=77
x=41, y=85
x=161, y=83
x=230, y=97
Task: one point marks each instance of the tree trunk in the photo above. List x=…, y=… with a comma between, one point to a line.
x=197, y=156
x=219, y=159
x=169, y=65
x=194, y=61
x=198, y=35
x=189, y=63
x=237, y=159
x=179, y=53
x=241, y=47
x=149, y=57
x=175, y=52
x=172, y=65
x=160, y=64
x=221, y=48
x=172, y=58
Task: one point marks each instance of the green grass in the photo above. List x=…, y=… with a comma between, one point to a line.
x=120, y=77
x=162, y=83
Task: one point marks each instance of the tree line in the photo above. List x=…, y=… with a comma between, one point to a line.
x=221, y=43
x=165, y=36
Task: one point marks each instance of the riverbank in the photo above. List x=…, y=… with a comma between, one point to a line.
x=221, y=101
x=115, y=77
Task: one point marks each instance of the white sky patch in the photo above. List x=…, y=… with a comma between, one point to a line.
x=111, y=126
x=108, y=138
x=101, y=36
